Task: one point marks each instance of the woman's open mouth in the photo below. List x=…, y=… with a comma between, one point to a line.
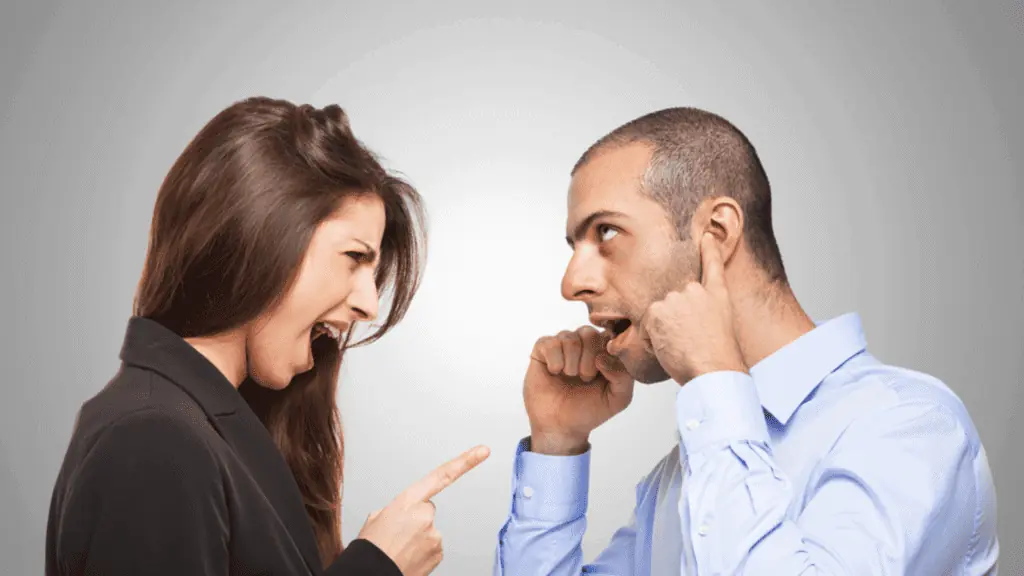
x=321, y=329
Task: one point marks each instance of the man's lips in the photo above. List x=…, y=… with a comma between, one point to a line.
x=619, y=340
x=613, y=323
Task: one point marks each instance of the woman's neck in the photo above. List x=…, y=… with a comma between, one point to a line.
x=226, y=352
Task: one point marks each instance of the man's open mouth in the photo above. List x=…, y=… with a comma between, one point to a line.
x=617, y=327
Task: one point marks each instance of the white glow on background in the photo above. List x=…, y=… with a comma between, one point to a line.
x=495, y=182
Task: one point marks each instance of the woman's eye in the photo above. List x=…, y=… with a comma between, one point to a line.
x=359, y=257
x=603, y=232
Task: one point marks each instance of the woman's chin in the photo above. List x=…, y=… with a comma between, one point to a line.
x=273, y=380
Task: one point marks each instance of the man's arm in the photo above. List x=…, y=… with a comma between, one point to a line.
x=894, y=496
x=547, y=520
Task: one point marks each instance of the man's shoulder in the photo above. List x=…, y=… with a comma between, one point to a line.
x=878, y=388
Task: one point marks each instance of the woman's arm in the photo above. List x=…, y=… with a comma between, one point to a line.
x=362, y=558
x=147, y=499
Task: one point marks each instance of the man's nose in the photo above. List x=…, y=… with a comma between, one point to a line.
x=584, y=277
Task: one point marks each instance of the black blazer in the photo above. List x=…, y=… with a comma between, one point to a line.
x=170, y=472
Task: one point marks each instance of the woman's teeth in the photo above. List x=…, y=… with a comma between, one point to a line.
x=329, y=329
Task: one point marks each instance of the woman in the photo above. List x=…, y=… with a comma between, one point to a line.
x=216, y=448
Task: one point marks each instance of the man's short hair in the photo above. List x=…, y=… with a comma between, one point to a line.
x=697, y=155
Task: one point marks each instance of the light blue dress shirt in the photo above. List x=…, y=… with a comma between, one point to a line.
x=822, y=460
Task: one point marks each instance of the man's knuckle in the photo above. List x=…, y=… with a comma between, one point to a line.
x=571, y=342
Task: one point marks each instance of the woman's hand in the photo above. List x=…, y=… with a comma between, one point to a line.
x=404, y=529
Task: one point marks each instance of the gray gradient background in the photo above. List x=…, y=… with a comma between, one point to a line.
x=888, y=131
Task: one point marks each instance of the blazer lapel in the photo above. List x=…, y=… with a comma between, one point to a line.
x=149, y=345
x=255, y=448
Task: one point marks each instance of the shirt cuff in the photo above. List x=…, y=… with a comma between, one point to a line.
x=718, y=409
x=550, y=488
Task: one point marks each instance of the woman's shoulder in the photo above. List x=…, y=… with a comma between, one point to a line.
x=153, y=436
x=137, y=467
x=134, y=419
x=144, y=400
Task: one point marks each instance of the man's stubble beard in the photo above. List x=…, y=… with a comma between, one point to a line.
x=684, y=267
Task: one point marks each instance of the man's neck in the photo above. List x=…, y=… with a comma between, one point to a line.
x=767, y=318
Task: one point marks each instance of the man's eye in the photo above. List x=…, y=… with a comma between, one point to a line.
x=605, y=232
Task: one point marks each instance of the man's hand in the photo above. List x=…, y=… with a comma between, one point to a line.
x=691, y=330
x=404, y=529
x=572, y=386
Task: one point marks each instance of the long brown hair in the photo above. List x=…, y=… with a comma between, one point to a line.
x=231, y=225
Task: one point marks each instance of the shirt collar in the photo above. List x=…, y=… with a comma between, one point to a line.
x=785, y=379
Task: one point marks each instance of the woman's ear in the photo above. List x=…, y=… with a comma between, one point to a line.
x=723, y=219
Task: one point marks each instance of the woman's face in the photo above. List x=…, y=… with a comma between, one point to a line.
x=334, y=289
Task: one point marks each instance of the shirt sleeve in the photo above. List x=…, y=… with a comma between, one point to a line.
x=880, y=502
x=547, y=520
x=147, y=499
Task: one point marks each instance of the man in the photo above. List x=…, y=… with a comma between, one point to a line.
x=800, y=452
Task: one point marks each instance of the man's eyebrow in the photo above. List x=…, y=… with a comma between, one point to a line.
x=581, y=229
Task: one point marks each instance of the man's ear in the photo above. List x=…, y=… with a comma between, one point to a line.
x=722, y=217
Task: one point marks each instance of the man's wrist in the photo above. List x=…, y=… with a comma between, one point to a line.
x=557, y=444
x=716, y=368
x=550, y=488
x=720, y=408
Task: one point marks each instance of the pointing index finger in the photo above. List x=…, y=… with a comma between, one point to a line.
x=711, y=263
x=444, y=475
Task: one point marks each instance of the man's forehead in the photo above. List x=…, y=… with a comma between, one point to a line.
x=610, y=181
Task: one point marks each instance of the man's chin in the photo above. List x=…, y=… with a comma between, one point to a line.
x=646, y=369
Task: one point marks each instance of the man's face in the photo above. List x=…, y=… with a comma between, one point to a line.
x=626, y=253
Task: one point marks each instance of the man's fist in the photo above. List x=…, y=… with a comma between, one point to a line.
x=572, y=386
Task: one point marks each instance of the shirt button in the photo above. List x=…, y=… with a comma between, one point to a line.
x=528, y=492
x=692, y=424
x=703, y=530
